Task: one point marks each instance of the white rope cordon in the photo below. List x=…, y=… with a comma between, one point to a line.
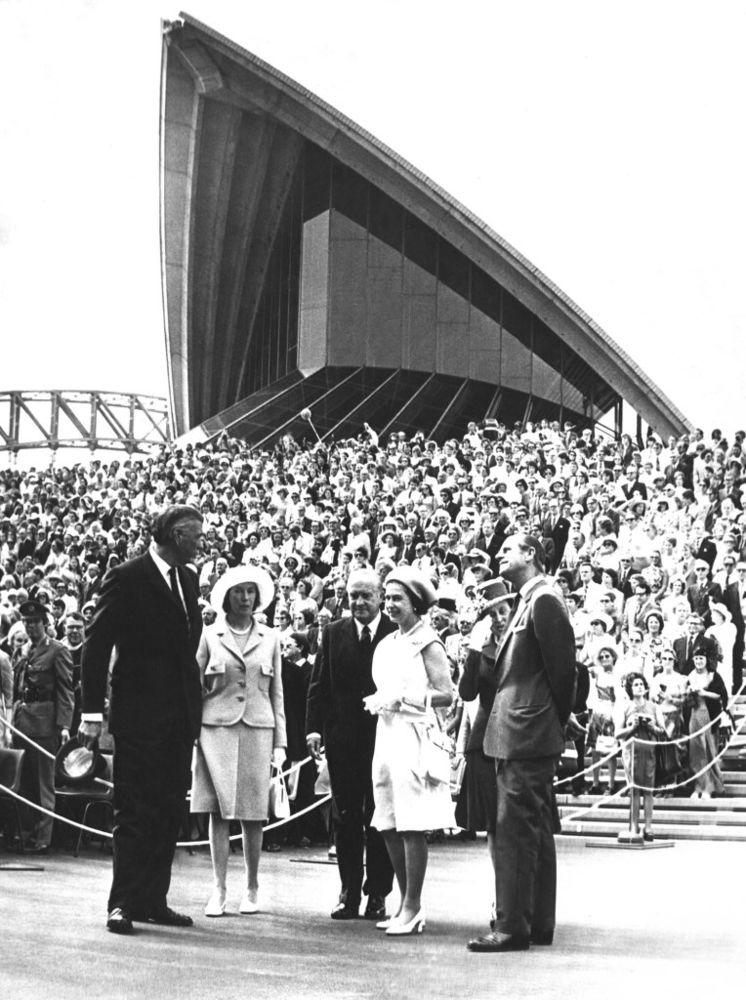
x=725, y=714
x=181, y=843
x=692, y=777
x=596, y=805
x=661, y=743
x=592, y=767
x=108, y=784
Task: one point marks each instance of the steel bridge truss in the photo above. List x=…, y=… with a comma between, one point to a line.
x=80, y=419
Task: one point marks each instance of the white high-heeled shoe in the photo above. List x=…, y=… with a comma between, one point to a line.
x=248, y=905
x=215, y=906
x=414, y=926
x=383, y=925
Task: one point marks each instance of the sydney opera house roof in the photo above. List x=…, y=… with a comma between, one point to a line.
x=304, y=263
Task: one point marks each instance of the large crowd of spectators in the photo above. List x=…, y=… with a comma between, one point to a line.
x=645, y=540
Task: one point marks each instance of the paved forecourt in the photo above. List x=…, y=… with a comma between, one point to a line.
x=655, y=922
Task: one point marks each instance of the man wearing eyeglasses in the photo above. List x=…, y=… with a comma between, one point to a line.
x=695, y=641
x=699, y=593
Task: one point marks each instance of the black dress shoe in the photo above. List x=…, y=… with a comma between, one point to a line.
x=346, y=911
x=167, y=917
x=497, y=941
x=118, y=922
x=542, y=937
x=375, y=908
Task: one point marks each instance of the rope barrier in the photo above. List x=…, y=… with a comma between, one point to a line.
x=596, y=805
x=108, y=784
x=659, y=743
x=181, y=843
x=592, y=767
x=725, y=714
x=692, y=777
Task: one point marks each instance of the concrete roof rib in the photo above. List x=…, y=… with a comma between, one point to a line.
x=451, y=206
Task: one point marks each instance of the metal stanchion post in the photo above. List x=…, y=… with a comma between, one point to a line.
x=633, y=835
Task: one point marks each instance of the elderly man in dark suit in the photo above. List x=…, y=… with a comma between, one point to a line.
x=535, y=673
x=557, y=528
x=340, y=680
x=148, y=610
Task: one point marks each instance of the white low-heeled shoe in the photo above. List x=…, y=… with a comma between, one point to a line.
x=414, y=926
x=247, y=904
x=216, y=904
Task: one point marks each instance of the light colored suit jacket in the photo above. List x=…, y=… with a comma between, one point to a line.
x=535, y=680
x=242, y=687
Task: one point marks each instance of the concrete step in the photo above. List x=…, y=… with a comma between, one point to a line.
x=721, y=803
x=675, y=818
x=609, y=831
x=663, y=817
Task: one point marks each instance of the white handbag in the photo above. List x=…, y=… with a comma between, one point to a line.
x=436, y=752
x=279, y=802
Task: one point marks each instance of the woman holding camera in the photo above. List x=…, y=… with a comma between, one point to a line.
x=243, y=725
x=640, y=719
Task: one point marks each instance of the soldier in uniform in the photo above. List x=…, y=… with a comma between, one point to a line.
x=42, y=711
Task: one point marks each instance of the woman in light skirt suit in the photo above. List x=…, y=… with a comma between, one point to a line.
x=243, y=726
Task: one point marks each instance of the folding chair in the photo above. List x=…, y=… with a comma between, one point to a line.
x=91, y=797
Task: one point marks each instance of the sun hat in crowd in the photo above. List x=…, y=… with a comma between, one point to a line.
x=243, y=574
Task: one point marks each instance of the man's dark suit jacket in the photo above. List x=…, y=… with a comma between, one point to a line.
x=730, y=596
x=155, y=683
x=558, y=533
x=491, y=547
x=339, y=683
x=684, y=664
x=535, y=681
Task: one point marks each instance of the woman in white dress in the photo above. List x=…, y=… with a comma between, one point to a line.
x=411, y=674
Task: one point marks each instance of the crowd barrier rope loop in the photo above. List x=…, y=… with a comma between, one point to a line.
x=280, y=776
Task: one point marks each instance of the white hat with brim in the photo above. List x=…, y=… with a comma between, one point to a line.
x=244, y=574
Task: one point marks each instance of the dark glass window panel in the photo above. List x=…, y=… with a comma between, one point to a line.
x=547, y=345
x=386, y=218
x=472, y=405
x=420, y=244
x=453, y=269
x=350, y=194
x=512, y=407
x=427, y=407
x=516, y=319
x=486, y=294
x=274, y=334
x=317, y=171
x=382, y=406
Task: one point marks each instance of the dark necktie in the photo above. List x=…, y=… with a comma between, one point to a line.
x=173, y=579
x=365, y=639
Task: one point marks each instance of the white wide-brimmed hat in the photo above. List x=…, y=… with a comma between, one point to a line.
x=243, y=574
